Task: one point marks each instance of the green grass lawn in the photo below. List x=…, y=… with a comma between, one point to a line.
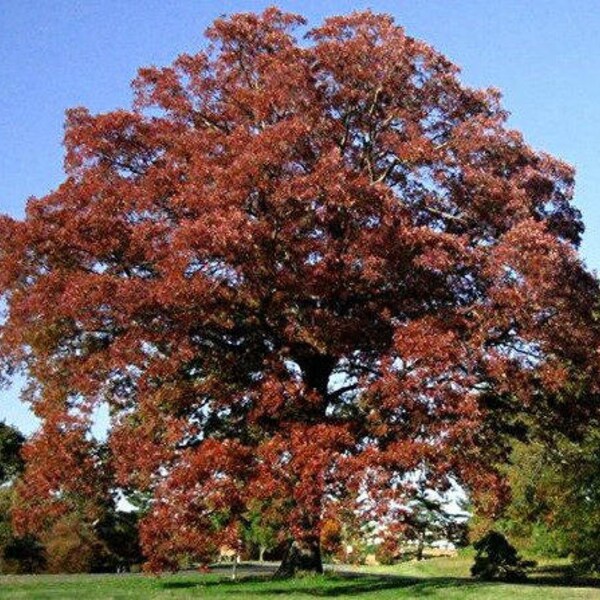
x=439, y=578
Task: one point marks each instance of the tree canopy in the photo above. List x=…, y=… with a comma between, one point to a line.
x=298, y=271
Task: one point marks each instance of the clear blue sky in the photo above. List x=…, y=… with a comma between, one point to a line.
x=544, y=55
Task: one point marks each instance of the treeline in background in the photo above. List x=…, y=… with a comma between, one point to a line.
x=553, y=511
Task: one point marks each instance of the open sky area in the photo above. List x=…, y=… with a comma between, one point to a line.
x=543, y=55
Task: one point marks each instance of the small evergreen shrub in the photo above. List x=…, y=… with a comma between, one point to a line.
x=496, y=558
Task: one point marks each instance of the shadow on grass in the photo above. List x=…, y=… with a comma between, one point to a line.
x=359, y=587
x=254, y=579
x=330, y=586
x=560, y=576
x=564, y=581
x=180, y=585
x=354, y=584
x=558, y=570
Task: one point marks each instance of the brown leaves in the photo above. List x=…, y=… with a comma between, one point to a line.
x=298, y=273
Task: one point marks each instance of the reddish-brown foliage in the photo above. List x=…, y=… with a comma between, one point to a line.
x=71, y=546
x=297, y=272
x=331, y=536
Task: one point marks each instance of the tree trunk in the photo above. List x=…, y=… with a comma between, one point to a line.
x=420, y=547
x=302, y=556
x=261, y=554
x=234, y=568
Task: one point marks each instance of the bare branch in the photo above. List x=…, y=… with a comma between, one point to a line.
x=341, y=391
x=201, y=119
x=445, y=215
x=387, y=172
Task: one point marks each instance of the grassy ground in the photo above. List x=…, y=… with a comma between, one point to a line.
x=434, y=579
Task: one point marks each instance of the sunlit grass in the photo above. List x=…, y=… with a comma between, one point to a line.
x=438, y=578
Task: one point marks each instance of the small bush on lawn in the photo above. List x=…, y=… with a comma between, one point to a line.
x=496, y=558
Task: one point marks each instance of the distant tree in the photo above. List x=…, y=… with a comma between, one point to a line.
x=391, y=546
x=18, y=554
x=65, y=498
x=431, y=520
x=11, y=466
x=119, y=532
x=263, y=527
x=6, y=531
x=66, y=483
x=72, y=546
x=24, y=555
x=296, y=271
x=11, y=461
x=555, y=506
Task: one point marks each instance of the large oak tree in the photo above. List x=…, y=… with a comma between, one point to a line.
x=299, y=273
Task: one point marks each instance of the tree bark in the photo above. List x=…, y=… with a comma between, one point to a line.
x=302, y=556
